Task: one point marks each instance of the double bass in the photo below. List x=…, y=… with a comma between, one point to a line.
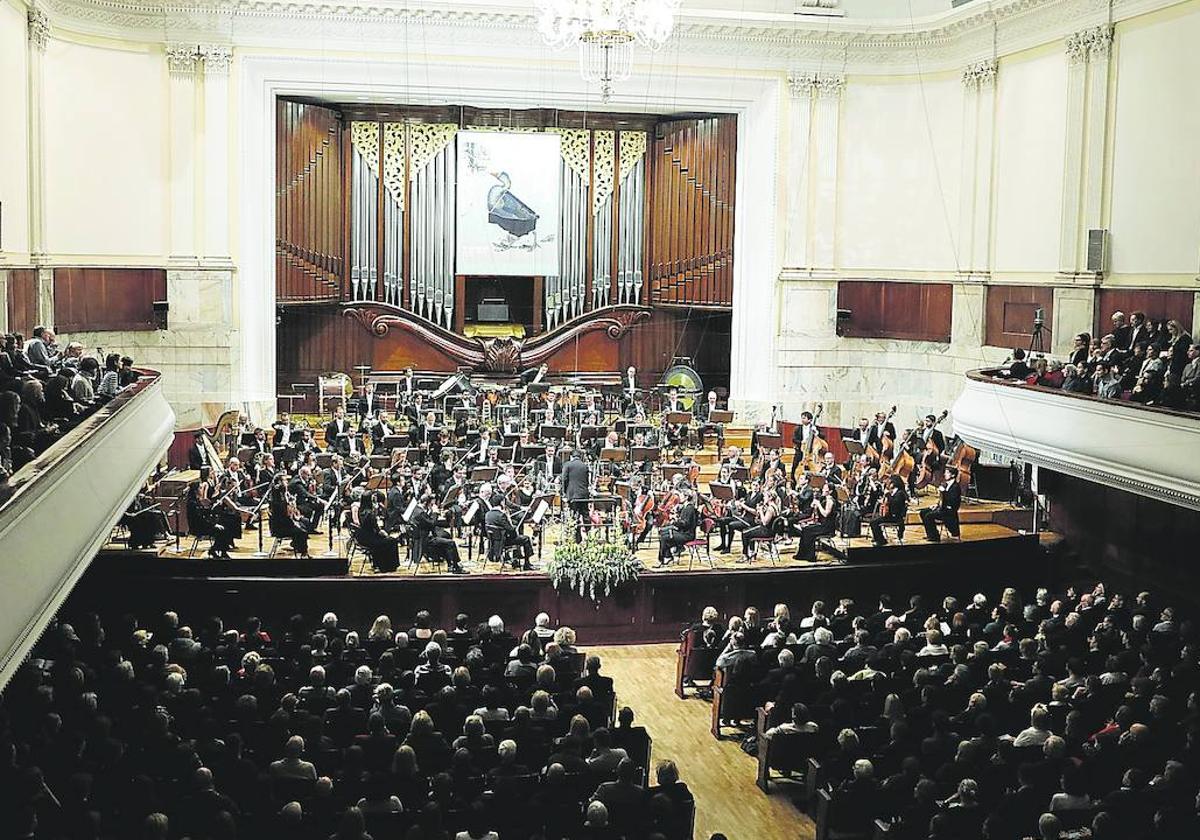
x=931, y=457
x=887, y=446
x=962, y=459
x=817, y=446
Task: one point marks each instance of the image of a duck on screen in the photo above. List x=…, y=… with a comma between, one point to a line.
x=508, y=203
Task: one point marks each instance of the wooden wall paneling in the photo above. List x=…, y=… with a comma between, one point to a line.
x=22, y=300
x=1009, y=314
x=1163, y=304
x=893, y=309
x=107, y=298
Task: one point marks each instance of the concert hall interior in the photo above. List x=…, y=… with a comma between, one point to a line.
x=599, y=419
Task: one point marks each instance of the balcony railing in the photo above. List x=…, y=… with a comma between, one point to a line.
x=64, y=503
x=1143, y=449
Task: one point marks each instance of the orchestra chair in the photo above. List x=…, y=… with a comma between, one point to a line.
x=785, y=753
x=276, y=542
x=417, y=553
x=497, y=552
x=894, y=528
x=693, y=660
x=705, y=541
x=352, y=546
x=196, y=543
x=771, y=544
x=732, y=700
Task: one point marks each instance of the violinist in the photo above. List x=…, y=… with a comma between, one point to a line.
x=548, y=467
x=767, y=513
x=735, y=516
x=382, y=549
x=822, y=523
x=265, y=470
x=893, y=509
x=286, y=521
x=802, y=440
x=440, y=474
x=497, y=521
x=202, y=518
x=868, y=492
x=145, y=519
x=682, y=529
x=432, y=539
x=303, y=488
x=830, y=470
x=456, y=492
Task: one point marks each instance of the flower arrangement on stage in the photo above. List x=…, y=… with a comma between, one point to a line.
x=594, y=566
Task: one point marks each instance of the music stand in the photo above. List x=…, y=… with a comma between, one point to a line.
x=592, y=432
x=720, y=415
x=556, y=432
x=724, y=492
x=613, y=454
x=815, y=480
x=770, y=441
x=624, y=489
x=669, y=471
x=740, y=473
x=390, y=442
x=645, y=453
x=853, y=447
x=679, y=418
x=481, y=474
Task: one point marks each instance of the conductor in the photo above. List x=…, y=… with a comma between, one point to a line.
x=574, y=486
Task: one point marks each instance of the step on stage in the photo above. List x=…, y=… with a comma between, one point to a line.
x=996, y=549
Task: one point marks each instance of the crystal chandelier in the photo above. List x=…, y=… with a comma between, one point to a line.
x=606, y=31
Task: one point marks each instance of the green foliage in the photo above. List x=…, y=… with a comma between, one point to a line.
x=595, y=565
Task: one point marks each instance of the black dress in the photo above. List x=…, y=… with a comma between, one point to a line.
x=383, y=550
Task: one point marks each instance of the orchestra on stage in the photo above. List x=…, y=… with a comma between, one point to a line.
x=422, y=465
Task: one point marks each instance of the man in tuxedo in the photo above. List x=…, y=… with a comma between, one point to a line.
x=497, y=520
x=802, y=437
x=479, y=454
x=680, y=532
x=704, y=414
x=931, y=432
x=882, y=426
x=946, y=510
x=338, y=432
x=631, y=388
x=830, y=469
x=897, y=511
x=282, y=430
x=333, y=483
x=367, y=404
x=574, y=484
x=259, y=445
x=308, y=502
x=733, y=458
x=198, y=452
x=431, y=538
x=549, y=465
x=1139, y=330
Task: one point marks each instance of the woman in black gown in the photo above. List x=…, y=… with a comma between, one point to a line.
x=383, y=550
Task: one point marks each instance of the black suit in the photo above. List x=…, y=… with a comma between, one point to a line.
x=283, y=525
x=497, y=520
x=337, y=435
x=197, y=457
x=1122, y=335
x=678, y=534
x=897, y=502
x=875, y=439
x=946, y=511
x=431, y=539
x=575, y=485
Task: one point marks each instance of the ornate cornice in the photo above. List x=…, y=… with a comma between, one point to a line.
x=980, y=74
x=821, y=85
x=939, y=42
x=39, y=28
x=1089, y=44
x=829, y=86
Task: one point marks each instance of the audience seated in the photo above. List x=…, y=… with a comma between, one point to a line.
x=45, y=393
x=1077, y=711
x=119, y=729
x=1152, y=362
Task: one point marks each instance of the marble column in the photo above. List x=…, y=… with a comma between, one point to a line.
x=45, y=296
x=1074, y=311
x=802, y=88
x=39, y=38
x=826, y=118
x=975, y=197
x=1083, y=168
x=968, y=315
x=215, y=146
x=182, y=62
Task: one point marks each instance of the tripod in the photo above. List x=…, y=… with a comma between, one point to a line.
x=1037, y=341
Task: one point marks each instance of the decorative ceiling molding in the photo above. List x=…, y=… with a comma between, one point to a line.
x=946, y=41
x=39, y=28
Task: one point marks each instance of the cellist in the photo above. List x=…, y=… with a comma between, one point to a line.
x=642, y=512
x=893, y=509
